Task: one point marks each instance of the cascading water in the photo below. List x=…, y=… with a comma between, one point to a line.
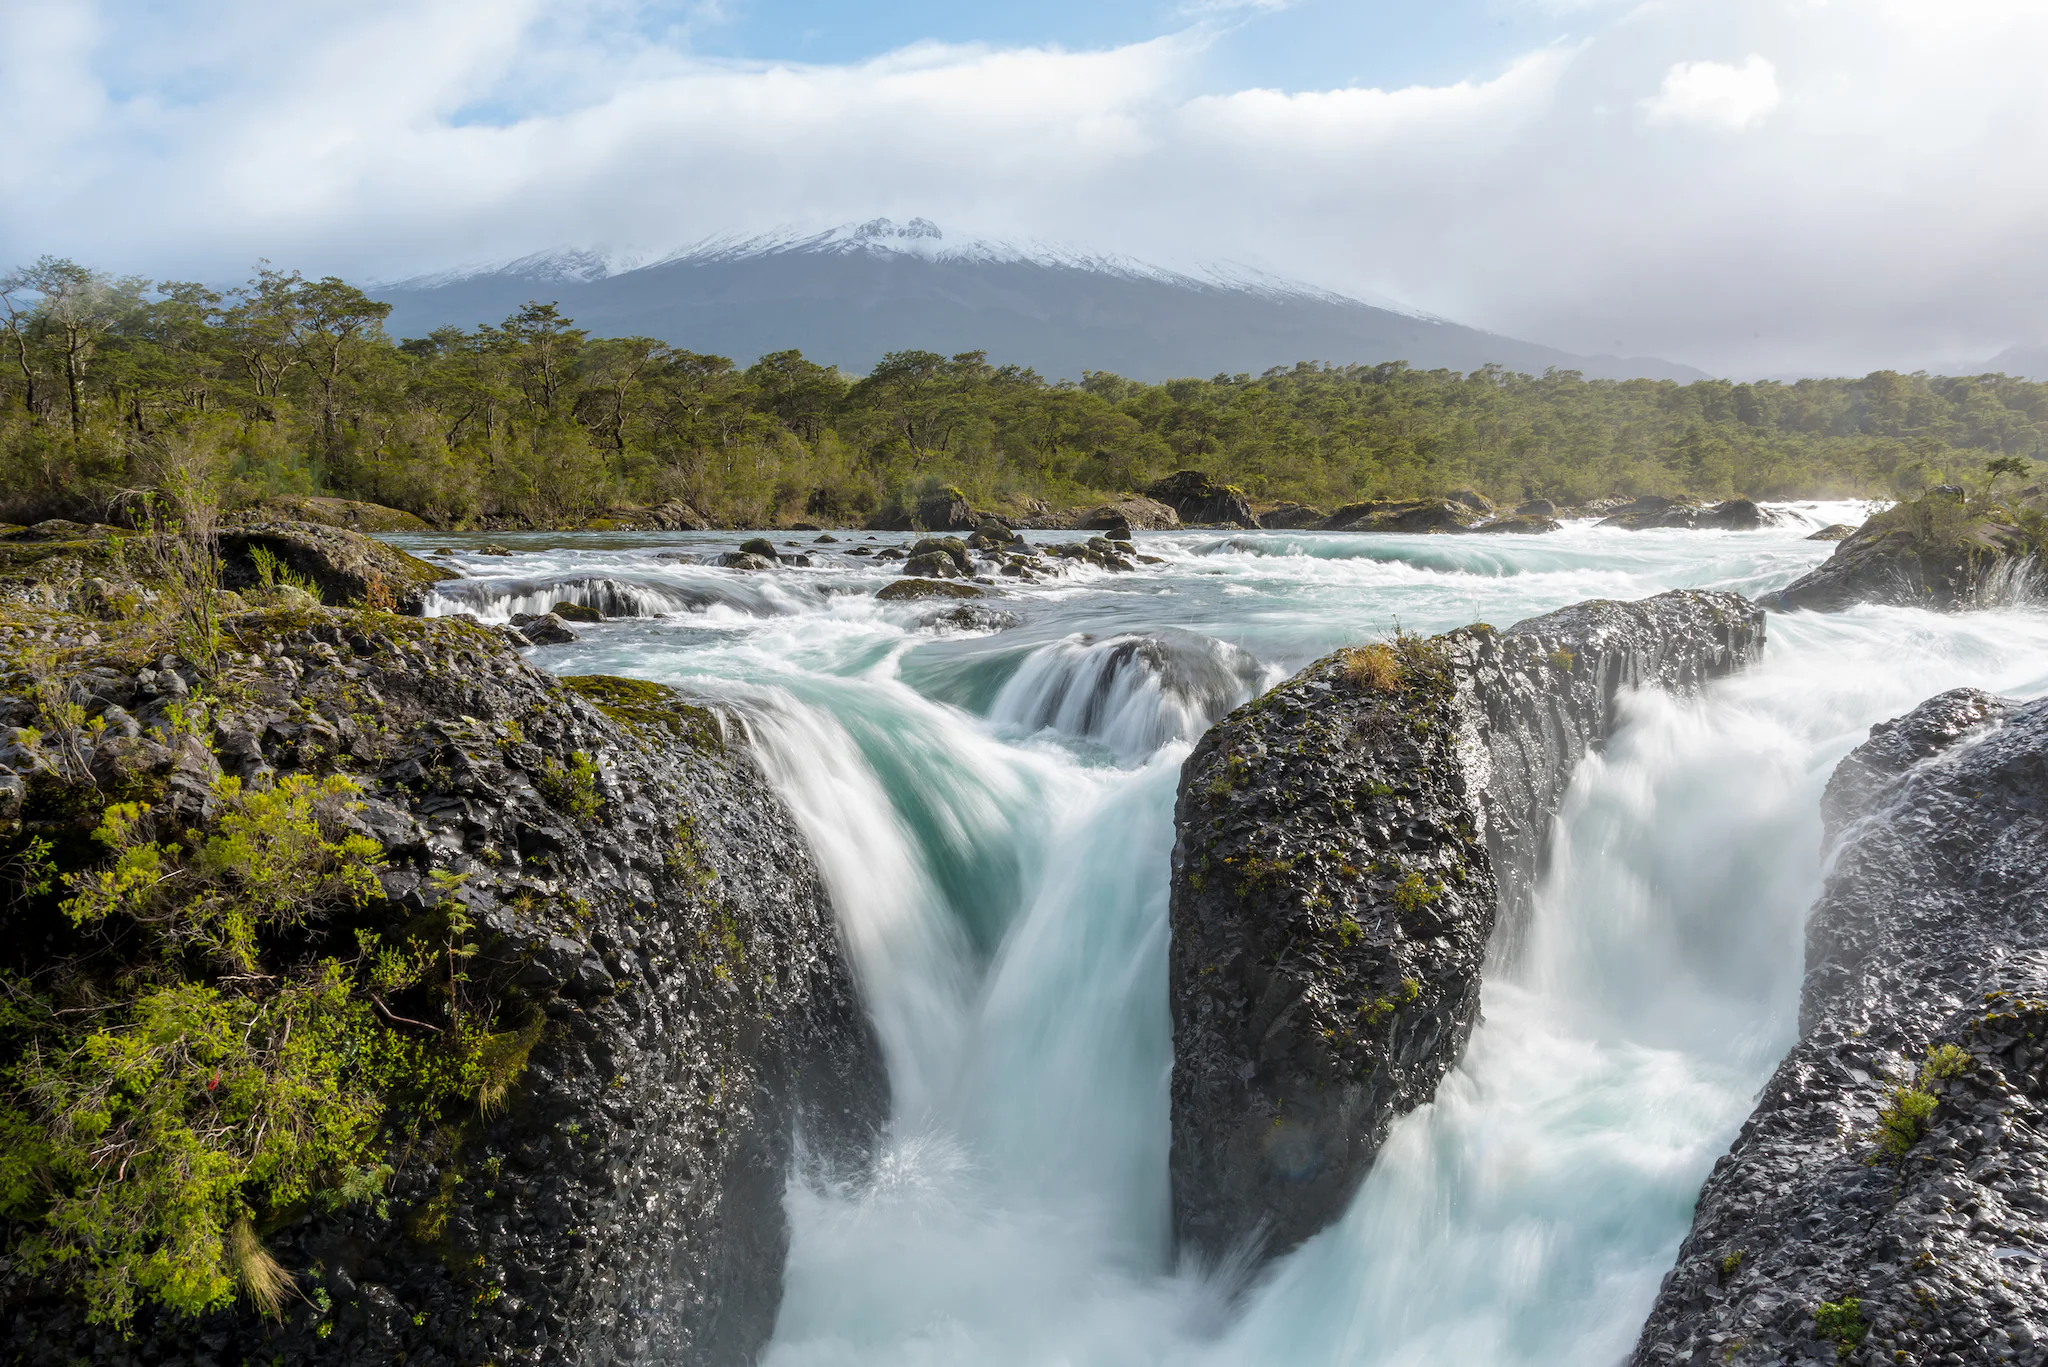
x=993, y=815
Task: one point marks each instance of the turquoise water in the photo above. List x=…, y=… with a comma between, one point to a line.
x=992, y=811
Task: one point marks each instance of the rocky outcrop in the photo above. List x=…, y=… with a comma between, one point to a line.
x=1410, y=515
x=1129, y=515
x=334, y=512
x=1291, y=517
x=1941, y=552
x=1526, y=524
x=1735, y=515
x=1888, y=1199
x=1200, y=501
x=636, y=894
x=342, y=565
x=1346, y=845
x=1834, y=531
x=943, y=510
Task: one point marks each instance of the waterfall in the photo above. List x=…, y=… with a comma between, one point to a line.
x=993, y=819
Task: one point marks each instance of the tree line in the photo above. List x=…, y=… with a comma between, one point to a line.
x=289, y=386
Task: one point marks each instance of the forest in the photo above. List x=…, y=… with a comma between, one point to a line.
x=289, y=386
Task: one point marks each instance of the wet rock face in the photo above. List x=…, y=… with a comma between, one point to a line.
x=1346, y=846
x=663, y=914
x=1940, y=552
x=1924, y=1022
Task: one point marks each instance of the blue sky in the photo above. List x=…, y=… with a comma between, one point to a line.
x=1309, y=45
x=1751, y=186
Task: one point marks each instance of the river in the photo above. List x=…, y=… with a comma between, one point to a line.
x=992, y=811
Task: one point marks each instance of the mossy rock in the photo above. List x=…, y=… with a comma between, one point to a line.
x=336, y=512
x=638, y=702
x=576, y=612
x=907, y=590
x=345, y=566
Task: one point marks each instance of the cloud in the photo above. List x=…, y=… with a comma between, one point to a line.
x=1876, y=209
x=1715, y=94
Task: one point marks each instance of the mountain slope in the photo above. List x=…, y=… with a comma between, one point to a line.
x=847, y=296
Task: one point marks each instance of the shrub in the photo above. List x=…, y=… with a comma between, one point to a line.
x=1842, y=1322
x=572, y=789
x=1902, y=1119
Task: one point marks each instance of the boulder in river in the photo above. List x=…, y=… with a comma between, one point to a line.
x=903, y=590
x=1129, y=514
x=1834, y=531
x=1403, y=515
x=1346, y=845
x=1289, y=517
x=1887, y=1201
x=1942, y=552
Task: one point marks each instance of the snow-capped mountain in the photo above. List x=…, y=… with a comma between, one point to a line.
x=849, y=294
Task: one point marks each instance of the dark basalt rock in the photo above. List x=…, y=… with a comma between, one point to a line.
x=1940, y=552
x=746, y=560
x=1526, y=524
x=1735, y=515
x=1129, y=514
x=1931, y=933
x=1410, y=515
x=945, y=510
x=1292, y=517
x=342, y=564
x=1346, y=844
x=945, y=548
x=904, y=590
x=1834, y=531
x=1199, y=500
x=576, y=612
x=547, y=629
x=626, y=1204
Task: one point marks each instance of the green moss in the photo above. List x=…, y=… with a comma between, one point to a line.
x=1562, y=660
x=639, y=703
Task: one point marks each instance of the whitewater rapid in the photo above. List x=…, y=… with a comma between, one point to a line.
x=992, y=811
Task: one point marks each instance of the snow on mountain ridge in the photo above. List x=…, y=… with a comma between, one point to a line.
x=920, y=237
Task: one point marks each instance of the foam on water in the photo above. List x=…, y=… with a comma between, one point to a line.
x=993, y=816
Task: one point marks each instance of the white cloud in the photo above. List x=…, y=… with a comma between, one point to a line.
x=1877, y=211
x=1716, y=94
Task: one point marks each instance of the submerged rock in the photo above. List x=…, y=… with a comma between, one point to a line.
x=904, y=590
x=638, y=895
x=1941, y=552
x=1888, y=1199
x=1346, y=845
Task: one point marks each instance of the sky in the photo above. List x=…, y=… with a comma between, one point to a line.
x=1750, y=186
